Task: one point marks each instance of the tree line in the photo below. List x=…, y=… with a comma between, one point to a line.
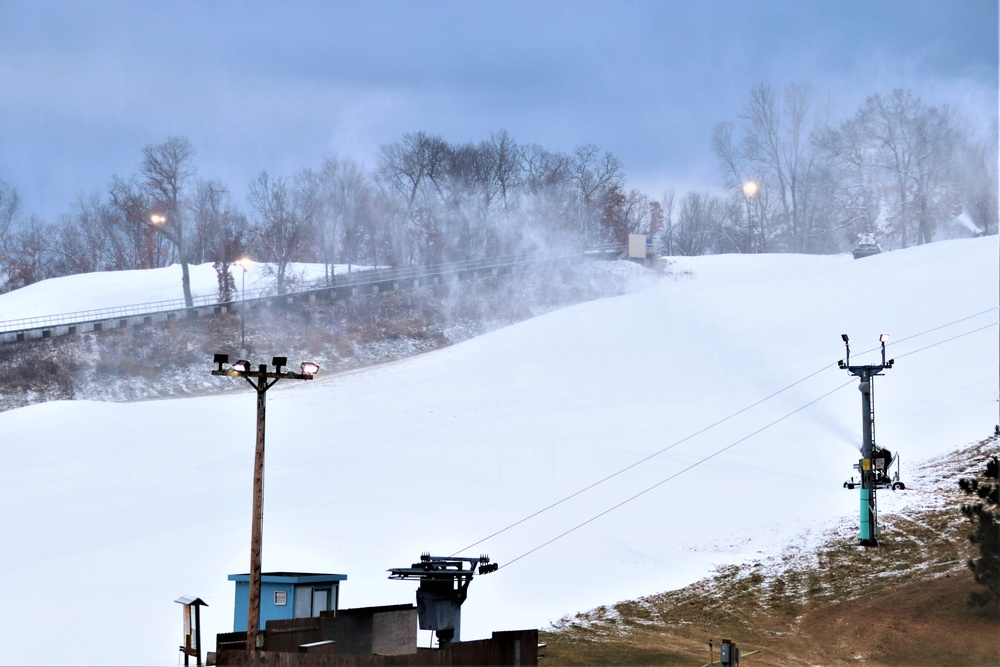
x=790, y=182
x=896, y=169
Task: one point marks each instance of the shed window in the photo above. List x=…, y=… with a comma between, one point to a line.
x=310, y=601
x=303, y=601
x=321, y=600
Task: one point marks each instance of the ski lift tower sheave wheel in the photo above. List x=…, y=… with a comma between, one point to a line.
x=444, y=586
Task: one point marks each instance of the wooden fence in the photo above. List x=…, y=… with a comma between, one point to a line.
x=514, y=648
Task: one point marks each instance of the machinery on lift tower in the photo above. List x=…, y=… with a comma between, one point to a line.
x=444, y=586
x=875, y=461
x=882, y=462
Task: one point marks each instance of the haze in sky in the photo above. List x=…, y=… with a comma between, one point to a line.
x=84, y=86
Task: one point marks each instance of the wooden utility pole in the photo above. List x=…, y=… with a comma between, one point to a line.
x=257, y=526
x=261, y=380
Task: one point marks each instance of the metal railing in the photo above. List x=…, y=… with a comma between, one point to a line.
x=340, y=280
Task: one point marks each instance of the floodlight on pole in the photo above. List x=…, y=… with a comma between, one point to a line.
x=261, y=380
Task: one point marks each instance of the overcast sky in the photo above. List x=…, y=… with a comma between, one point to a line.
x=281, y=86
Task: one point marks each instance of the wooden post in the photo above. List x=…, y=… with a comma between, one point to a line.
x=256, y=530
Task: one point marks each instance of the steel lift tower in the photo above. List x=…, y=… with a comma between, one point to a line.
x=444, y=586
x=866, y=374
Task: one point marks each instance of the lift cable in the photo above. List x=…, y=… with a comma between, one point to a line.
x=639, y=462
x=676, y=474
x=969, y=317
x=947, y=340
x=731, y=445
x=703, y=430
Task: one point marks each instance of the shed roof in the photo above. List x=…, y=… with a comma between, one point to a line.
x=291, y=577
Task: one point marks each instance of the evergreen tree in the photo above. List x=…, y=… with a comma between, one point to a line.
x=985, y=533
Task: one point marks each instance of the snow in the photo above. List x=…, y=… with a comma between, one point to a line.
x=116, y=289
x=112, y=511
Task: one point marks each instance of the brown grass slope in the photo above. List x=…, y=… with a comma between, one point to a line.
x=902, y=603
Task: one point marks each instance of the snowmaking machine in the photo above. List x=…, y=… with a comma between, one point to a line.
x=882, y=462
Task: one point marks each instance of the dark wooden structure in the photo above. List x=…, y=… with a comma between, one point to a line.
x=514, y=648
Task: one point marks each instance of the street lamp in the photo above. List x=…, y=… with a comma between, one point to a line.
x=244, y=264
x=261, y=380
x=750, y=189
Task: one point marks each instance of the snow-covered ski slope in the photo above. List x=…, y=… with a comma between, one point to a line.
x=111, y=511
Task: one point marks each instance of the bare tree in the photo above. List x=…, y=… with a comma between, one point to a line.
x=853, y=188
x=285, y=219
x=507, y=166
x=165, y=171
x=10, y=204
x=776, y=153
x=413, y=169
x=899, y=155
x=913, y=145
x=222, y=232
x=699, y=221
x=667, y=206
x=549, y=209
x=135, y=237
x=737, y=170
x=87, y=241
x=613, y=214
x=346, y=219
x=29, y=258
x=657, y=220
x=594, y=173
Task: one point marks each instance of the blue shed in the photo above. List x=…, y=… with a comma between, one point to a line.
x=285, y=595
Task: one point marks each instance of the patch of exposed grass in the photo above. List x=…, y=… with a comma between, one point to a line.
x=903, y=603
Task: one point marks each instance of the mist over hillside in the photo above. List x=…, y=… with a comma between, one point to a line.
x=168, y=359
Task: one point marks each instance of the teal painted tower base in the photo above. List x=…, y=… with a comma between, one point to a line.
x=867, y=538
x=866, y=525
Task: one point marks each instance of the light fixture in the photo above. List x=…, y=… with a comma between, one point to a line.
x=241, y=366
x=221, y=359
x=843, y=337
x=309, y=368
x=278, y=362
x=883, y=338
x=157, y=219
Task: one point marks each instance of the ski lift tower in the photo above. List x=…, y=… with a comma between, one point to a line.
x=444, y=586
x=866, y=374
